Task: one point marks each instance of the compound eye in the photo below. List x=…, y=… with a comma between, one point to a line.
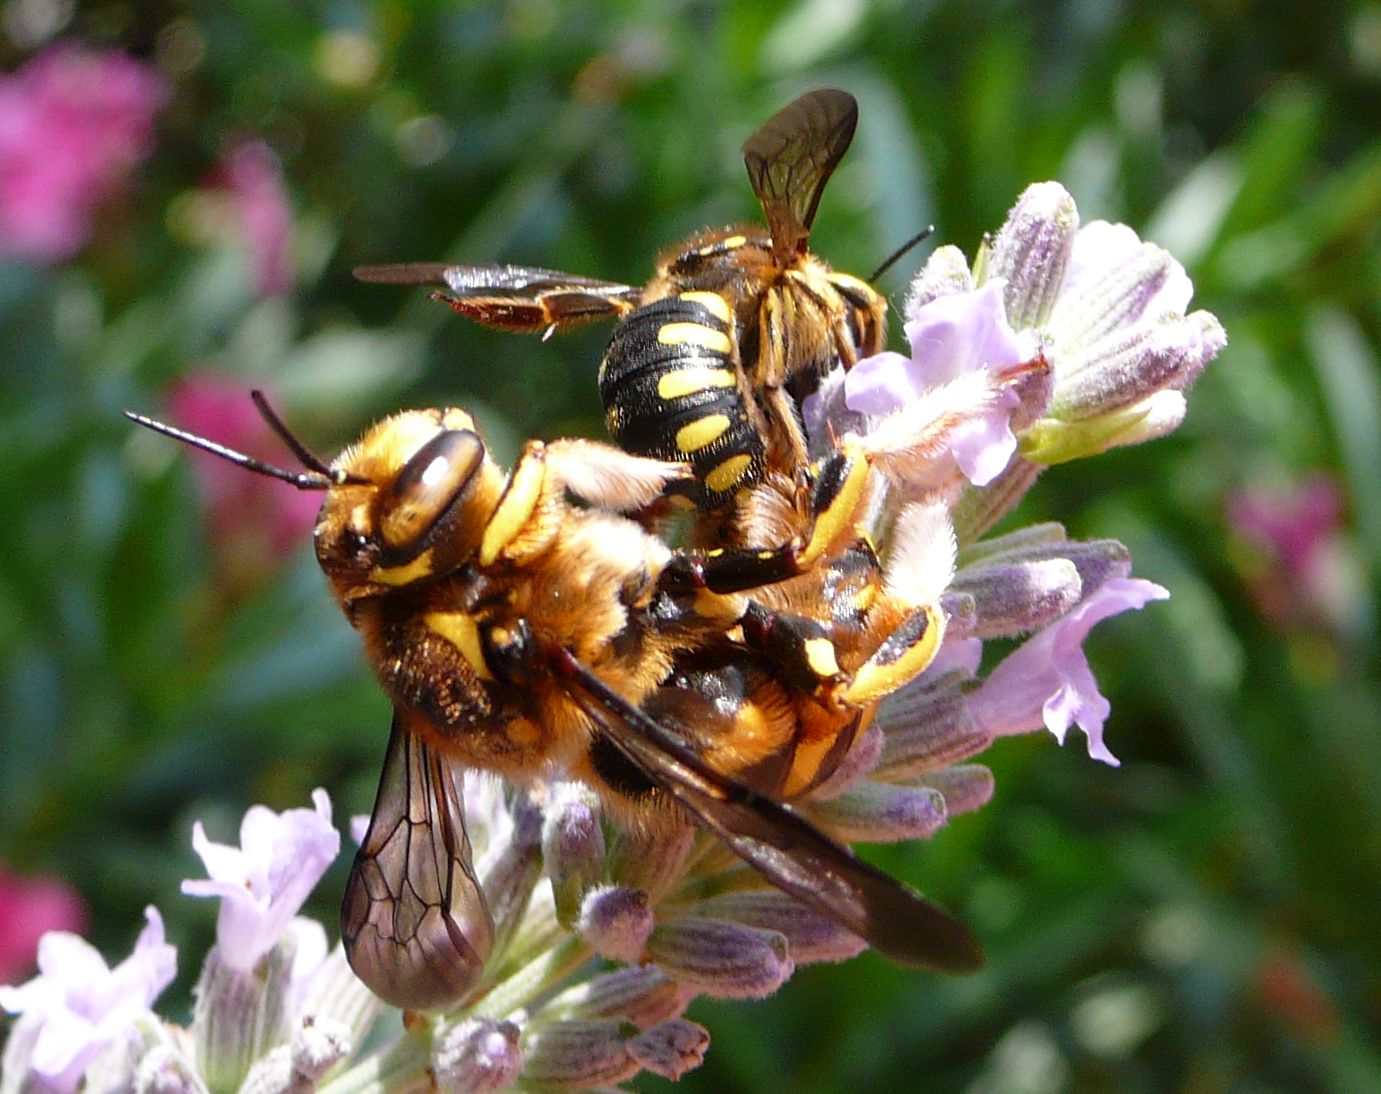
x=429, y=484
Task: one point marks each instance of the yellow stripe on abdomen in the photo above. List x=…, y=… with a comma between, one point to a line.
x=692, y=381
x=701, y=433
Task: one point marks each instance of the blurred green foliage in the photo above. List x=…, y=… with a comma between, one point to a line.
x=1203, y=919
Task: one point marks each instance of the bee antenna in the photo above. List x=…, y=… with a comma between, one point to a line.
x=309, y=480
x=309, y=459
x=891, y=260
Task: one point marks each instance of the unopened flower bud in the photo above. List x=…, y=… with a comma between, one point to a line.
x=670, y=1048
x=945, y=273
x=928, y=728
x=1015, y=544
x=723, y=959
x=965, y=788
x=651, y=861
x=643, y=994
x=874, y=812
x=163, y=1070
x=1031, y=251
x=477, y=1056
x=295, y=1068
x=510, y=871
x=239, y=1016
x=572, y=846
x=981, y=508
x=1018, y=597
x=1096, y=560
x=961, y=614
x=1126, y=368
x=577, y=1054
x=810, y=936
x=616, y=921
x=1051, y=441
x=337, y=996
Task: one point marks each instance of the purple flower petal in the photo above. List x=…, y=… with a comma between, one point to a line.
x=951, y=336
x=1047, y=680
x=263, y=882
x=77, y=1006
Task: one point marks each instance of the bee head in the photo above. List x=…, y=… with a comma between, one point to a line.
x=418, y=491
x=408, y=502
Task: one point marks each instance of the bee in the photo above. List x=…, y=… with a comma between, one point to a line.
x=520, y=622
x=711, y=358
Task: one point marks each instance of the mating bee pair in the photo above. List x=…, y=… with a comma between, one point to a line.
x=525, y=622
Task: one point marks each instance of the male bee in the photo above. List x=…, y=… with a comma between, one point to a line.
x=518, y=631
x=711, y=357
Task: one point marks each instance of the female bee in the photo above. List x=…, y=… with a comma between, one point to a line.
x=712, y=356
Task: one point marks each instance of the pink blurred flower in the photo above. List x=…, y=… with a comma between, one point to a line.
x=78, y=1006
x=264, y=882
x=262, y=212
x=29, y=908
x=1303, y=573
x=254, y=520
x=73, y=124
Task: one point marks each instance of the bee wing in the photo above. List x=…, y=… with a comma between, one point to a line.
x=780, y=843
x=791, y=157
x=414, y=921
x=518, y=298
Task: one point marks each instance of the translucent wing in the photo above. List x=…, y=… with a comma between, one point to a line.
x=791, y=157
x=778, y=842
x=516, y=298
x=414, y=921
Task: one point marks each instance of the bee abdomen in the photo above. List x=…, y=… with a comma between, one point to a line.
x=672, y=389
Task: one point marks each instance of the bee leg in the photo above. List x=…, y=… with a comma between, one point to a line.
x=902, y=656
x=801, y=650
x=835, y=493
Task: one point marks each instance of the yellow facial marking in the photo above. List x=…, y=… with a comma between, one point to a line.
x=701, y=433
x=693, y=334
x=689, y=381
x=717, y=305
x=519, y=500
x=459, y=629
x=820, y=657
x=728, y=473
x=405, y=574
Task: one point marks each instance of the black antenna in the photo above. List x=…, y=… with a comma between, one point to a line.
x=314, y=479
x=891, y=260
x=309, y=459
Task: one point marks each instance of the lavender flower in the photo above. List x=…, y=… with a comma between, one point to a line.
x=256, y=975
x=1047, y=680
x=78, y=1007
x=950, y=336
x=263, y=882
